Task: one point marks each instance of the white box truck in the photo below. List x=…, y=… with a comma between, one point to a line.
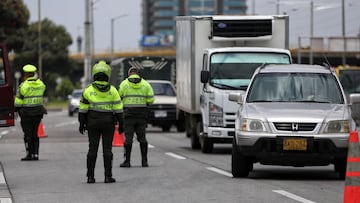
x=217, y=55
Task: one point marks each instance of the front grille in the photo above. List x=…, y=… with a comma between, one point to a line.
x=241, y=28
x=295, y=126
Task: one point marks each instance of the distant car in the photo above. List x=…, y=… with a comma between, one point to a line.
x=292, y=115
x=74, y=101
x=163, y=111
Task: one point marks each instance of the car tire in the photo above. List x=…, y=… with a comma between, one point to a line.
x=240, y=165
x=71, y=113
x=340, y=167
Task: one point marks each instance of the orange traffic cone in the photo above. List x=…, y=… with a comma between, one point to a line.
x=118, y=140
x=41, y=133
x=352, y=185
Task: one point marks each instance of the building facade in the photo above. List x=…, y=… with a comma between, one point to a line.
x=158, y=16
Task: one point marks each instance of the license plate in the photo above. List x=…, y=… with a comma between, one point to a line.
x=295, y=144
x=160, y=114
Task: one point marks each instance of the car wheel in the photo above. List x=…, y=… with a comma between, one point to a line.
x=166, y=128
x=71, y=113
x=240, y=165
x=340, y=167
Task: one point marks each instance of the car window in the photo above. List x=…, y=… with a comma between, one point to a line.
x=295, y=87
x=77, y=94
x=163, y=89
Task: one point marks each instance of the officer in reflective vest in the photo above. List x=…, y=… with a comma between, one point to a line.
x=99, y=111
x=29, y=104
x=136, y=93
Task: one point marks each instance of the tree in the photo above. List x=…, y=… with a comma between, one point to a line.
x=14, y=17
x=54, y=42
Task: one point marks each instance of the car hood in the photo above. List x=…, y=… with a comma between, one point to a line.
x=165, y=99
x=296, y=112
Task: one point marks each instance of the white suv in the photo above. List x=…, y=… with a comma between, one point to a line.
x=292, y=115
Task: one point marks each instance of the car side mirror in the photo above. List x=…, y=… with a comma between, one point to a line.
x=236, y=97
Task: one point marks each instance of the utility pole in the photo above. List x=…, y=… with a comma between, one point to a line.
x=88, y=43
x=343, y=32
x=311, y=61
x=39, y=40
x=112, y=33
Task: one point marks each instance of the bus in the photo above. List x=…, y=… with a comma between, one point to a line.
x=6, y=90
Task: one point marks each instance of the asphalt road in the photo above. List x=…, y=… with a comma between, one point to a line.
x=176, y=174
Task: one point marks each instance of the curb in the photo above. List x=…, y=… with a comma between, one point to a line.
x=5, y=193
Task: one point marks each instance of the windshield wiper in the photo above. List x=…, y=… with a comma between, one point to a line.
x=224, y=86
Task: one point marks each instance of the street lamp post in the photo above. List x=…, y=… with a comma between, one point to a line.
x=112, y=33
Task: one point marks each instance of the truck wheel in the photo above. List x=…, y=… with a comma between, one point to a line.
x=240, y=165
x=166, y=128
x=71, y=113
x=194, y=138
x=340, y=167
x=206, y=144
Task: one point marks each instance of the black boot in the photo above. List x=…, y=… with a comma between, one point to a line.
x=144, y=149
x=90, y=163
x=108, y=168
x=126, y=163
x=28, y=155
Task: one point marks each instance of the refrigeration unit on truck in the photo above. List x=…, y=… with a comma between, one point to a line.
x=217, y=55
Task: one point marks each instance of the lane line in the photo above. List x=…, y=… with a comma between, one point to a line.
x=175, y=155
x=5, y=200
x=293, y=196
x=219, y=171
x=66, y=123
x=2, y=178
x=150, y=146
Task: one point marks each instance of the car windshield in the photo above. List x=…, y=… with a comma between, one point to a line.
x=295, y=87
x=77, y=94
x=234, y=70
x=163, y=89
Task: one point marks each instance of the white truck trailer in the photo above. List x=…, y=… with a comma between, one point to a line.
x=217, y=55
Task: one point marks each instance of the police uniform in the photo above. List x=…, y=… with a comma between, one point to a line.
x=136, y=93
x=100, y=109
x=29, y=104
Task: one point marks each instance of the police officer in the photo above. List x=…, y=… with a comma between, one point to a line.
x=100, y=109
x=136, y=93
x=29, y=104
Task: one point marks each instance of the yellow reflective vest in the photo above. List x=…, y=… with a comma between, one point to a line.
x=95, y=100
x=30, y=93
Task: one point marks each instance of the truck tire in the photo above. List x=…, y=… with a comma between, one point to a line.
x=206, y=144
x=240, y=165
x=166, y=128
x=181, y=123
x=194, y=138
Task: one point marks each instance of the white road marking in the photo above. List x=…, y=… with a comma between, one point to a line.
x=292, y=196
x=219, y=171
x=174, y=155
x=2, y=178
x=150, y=146
x=66, y=123
x=5, y=200
x=3, y=133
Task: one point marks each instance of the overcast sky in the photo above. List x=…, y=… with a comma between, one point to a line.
x=71, y=14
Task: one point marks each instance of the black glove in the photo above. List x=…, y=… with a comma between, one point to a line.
x=83, y=121
x=120, y=119
x=82, y=128
x=121, y=128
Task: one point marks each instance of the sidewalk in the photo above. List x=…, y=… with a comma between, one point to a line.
x=5, y=194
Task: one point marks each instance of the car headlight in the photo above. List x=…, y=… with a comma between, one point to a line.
x=251, y=125
x=340, y=126
x=215, y=115
x=75, y=102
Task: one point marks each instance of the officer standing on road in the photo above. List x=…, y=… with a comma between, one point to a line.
x=136, y=93
x=100, y=109
x=29, y=104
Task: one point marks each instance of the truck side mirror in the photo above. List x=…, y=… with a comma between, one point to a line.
x=204, y=76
